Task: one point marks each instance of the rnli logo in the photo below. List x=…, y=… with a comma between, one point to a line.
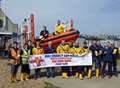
x=37, y=61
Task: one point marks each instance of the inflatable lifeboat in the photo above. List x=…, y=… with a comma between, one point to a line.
x=69, y=36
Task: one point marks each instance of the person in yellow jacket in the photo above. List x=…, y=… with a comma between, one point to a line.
x=37, y=50
x=76, y=49
x=64, y=48
x=59, y=28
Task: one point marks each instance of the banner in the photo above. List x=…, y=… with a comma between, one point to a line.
x=55, y=60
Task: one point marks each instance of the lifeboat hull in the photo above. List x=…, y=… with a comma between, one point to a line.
x=69, y=36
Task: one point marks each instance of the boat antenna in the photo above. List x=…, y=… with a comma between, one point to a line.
x=71, y=24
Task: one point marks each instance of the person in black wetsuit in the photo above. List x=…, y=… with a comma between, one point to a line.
x=44, y=33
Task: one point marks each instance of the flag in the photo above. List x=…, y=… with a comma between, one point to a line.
x=32, y=28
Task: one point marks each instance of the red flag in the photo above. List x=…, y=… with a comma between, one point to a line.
x=32, y=28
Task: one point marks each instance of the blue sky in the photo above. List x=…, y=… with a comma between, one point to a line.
x=90, y=16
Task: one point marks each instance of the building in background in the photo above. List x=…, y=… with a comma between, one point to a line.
x=8, y=31
x=103, y=38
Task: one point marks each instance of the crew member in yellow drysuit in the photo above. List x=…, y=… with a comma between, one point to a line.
x=59, y=28
x=64, y=48
x=37, y=50
x=76, y=49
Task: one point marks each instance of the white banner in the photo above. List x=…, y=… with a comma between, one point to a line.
x=55, y=60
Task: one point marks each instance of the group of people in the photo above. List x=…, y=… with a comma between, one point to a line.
x=102, y=56
x=19, y=57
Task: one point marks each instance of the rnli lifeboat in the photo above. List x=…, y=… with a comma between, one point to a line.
x=69, y=36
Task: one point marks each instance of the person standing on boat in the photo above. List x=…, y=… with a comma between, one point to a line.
x=59, y=28
x=50, y=71
x=64, y=48
x=37, y=50
x=44, y=33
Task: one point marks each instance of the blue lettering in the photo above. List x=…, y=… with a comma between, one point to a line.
x=58, y=63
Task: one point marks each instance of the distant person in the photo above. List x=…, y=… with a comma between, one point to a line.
x=6, y=55
x=30, y=46
x=9, y=48
x=44, y=33
x=50, y=71
x=59, y=28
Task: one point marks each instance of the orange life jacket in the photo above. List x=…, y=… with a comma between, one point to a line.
x=15, y=55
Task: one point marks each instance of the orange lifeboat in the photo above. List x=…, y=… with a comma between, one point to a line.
x=69, y=36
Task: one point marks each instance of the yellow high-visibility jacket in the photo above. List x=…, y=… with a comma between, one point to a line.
x=37, y=51
x=86, y=49
x=63, y=48
x=59, y=28
x=119, y=51
x=76, y=50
